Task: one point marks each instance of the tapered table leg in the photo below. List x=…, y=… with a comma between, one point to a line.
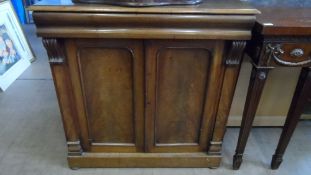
x=256, y=85
x=301, y=95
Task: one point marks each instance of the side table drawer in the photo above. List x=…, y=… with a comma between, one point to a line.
x=290, y=54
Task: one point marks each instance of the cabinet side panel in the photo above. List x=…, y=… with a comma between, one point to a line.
x=107, y=75
x=181, y=79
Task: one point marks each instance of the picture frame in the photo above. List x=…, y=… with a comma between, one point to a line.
x=15, y=52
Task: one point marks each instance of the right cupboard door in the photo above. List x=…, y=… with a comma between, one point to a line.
x=183, y=81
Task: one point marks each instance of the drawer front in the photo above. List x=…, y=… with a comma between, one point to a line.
x=291, y=54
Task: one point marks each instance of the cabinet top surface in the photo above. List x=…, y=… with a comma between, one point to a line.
x=206, y=7
x=283, y=17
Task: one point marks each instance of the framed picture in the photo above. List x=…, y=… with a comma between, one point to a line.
x=15, y=52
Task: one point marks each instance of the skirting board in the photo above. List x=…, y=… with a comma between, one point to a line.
x=263, y=120
x=306, y=116
x=258, y=121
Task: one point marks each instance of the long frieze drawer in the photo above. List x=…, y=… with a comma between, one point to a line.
x=152, y=26
x=146, y=20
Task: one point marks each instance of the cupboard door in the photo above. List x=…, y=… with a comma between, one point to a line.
x=110, y=74
x=183, y=86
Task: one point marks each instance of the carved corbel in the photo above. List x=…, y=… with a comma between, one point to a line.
x=235, y=54
x=74, y=148
x=55, y=50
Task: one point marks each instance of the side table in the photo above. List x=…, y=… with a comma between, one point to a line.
x=279, y=39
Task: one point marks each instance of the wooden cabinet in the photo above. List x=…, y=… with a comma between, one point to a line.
x=141, y=87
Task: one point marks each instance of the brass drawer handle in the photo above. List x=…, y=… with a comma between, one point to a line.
x=276, y=51
x=296, y=53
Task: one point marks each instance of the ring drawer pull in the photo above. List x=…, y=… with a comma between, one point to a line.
x=276, y=51
x=296, y=53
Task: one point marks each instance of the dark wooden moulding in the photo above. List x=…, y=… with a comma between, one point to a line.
x=141, y=3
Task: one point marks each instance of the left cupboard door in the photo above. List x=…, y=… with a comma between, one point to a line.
x=108, y=83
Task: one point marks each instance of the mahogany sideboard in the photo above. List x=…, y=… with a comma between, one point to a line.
x=281, y=38
x=144, y=87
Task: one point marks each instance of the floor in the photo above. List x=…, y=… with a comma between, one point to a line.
x=32, y=140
